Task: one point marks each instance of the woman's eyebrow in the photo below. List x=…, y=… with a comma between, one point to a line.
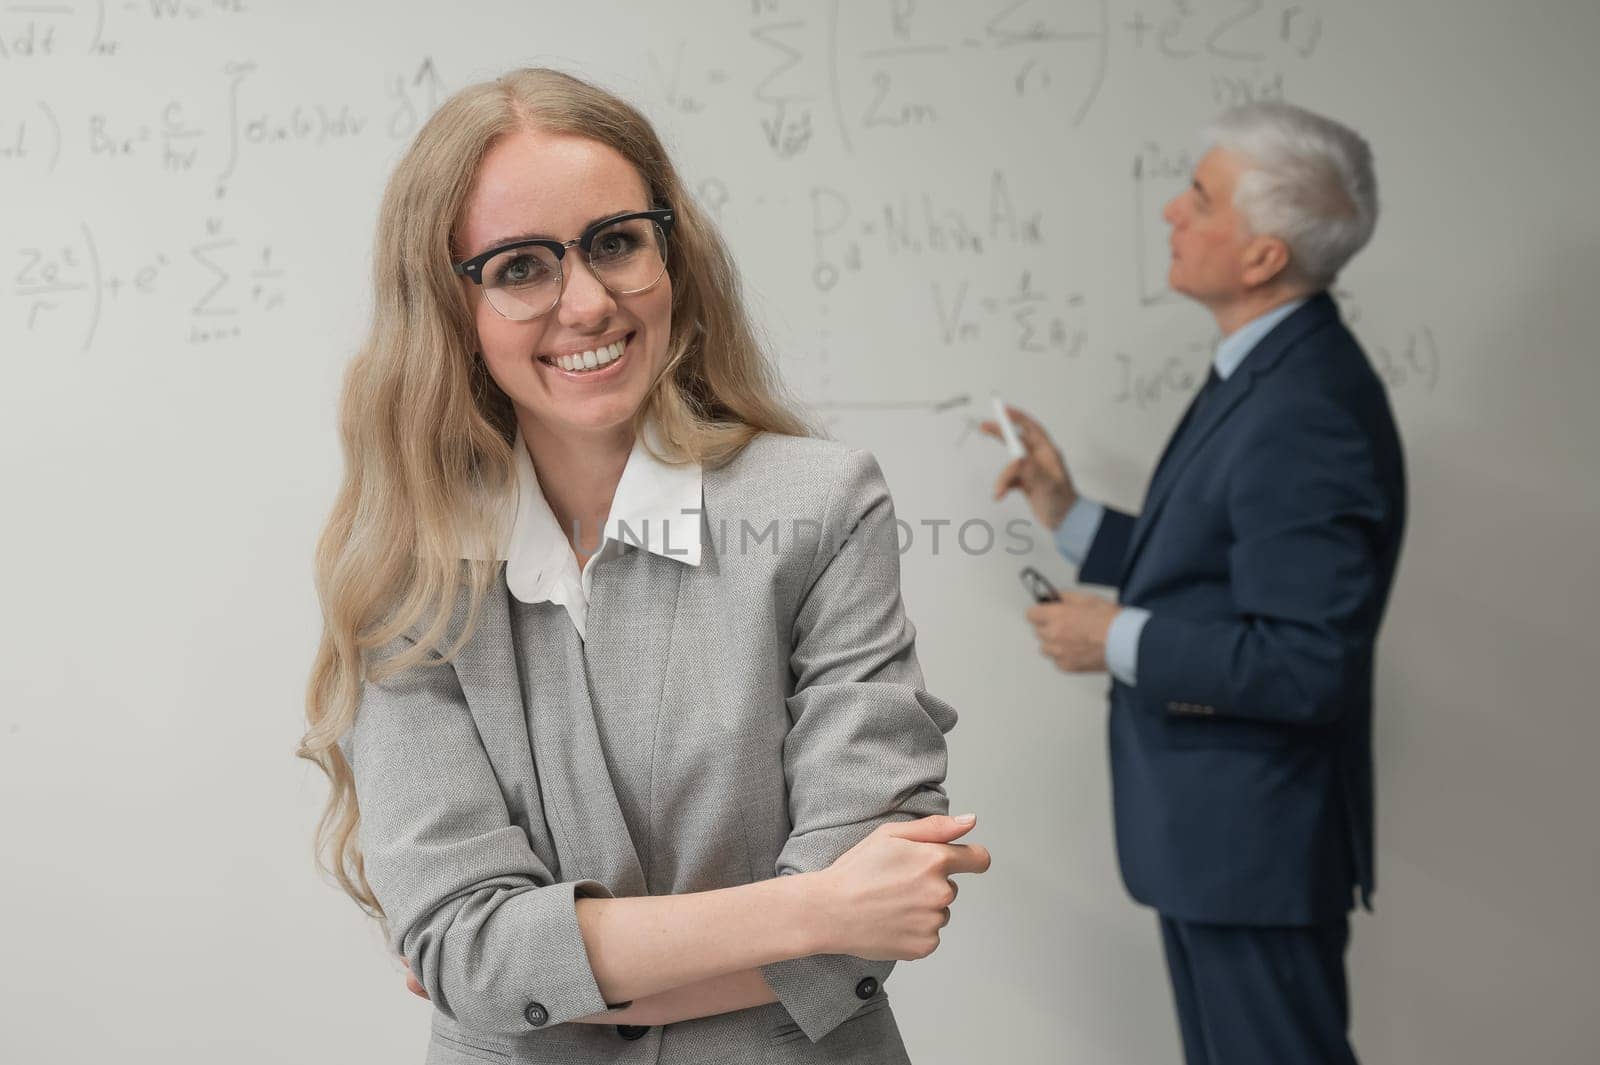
x=515, y=237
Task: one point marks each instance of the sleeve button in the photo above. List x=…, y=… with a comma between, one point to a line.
x=536, y=1015
x=631, y=1032
x=867, y=987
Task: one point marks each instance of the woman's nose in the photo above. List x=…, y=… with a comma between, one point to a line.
x=584, y=300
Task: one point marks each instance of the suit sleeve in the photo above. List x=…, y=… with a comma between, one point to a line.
x=866, y=742
x=1103, y=563
x=488, y=933
x=1308, y=515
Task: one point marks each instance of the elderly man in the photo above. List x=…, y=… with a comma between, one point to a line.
x=1251, y=587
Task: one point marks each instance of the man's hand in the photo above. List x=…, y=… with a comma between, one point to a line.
x=1041, y=474
x=1072, y=633
x=411, y=981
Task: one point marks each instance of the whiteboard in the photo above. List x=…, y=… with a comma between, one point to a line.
x=928, y=201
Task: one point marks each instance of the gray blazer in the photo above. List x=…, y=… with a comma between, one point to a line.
x=754, y=716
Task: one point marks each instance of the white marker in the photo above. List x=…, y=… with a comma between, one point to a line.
x=1007, y=429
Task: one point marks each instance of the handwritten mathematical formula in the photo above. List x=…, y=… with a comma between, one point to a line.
x=832, y=95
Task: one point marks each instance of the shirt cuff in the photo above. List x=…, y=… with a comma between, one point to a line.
x=1076, y=532
x=1122, y=644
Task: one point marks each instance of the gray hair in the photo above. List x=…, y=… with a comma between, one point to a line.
x=1308, y=181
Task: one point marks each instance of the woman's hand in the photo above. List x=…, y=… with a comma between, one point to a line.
x=886, y=898
x=411, y=981
x=1040, y=474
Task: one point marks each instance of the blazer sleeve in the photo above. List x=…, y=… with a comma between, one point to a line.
x=1107, y=551
x=866, y=743
x=488, y=933
x=1309, y=516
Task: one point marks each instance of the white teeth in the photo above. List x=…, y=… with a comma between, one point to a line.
x=589, y=360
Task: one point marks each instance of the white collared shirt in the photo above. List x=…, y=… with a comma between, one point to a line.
x=656, y=507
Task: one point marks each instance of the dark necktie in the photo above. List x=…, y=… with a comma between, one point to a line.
x=1213, y=379
x=1201, y=398
x=1207, y=391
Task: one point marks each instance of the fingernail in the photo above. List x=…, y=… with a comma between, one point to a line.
x=966, y=819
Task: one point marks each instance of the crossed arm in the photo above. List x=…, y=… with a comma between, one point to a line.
x=489, y=934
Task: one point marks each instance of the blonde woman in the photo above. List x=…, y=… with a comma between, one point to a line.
x=626, y=733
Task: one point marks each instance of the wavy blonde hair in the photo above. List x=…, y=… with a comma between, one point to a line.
x=428, y=435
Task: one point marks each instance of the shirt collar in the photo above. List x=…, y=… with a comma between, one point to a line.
x=1239, y=343
x=656, y=507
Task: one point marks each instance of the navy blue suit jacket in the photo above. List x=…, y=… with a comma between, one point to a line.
x=1242, y=761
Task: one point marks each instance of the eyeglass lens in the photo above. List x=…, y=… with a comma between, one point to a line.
x=628, y=256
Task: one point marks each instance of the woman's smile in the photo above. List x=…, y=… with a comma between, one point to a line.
x=597, y=362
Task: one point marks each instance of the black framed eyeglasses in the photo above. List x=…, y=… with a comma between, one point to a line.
x=627, y=253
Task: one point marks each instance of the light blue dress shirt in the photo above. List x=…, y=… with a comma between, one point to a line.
x=1077, y=530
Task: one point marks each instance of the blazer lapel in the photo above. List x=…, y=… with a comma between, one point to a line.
x=1188, y=439
x=632, y=633
x=1193, y=433
x=580, y=797
x=1189, y=415
x=486, y=668
x=536, y=719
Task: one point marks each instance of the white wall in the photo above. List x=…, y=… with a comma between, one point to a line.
x=929, y=201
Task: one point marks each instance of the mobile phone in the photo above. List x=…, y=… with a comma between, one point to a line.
x=1039, y=586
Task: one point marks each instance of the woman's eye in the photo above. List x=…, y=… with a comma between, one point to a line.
x=613, y=245
x=520, y=270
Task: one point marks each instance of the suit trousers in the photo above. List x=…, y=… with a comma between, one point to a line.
x=1260, y=995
